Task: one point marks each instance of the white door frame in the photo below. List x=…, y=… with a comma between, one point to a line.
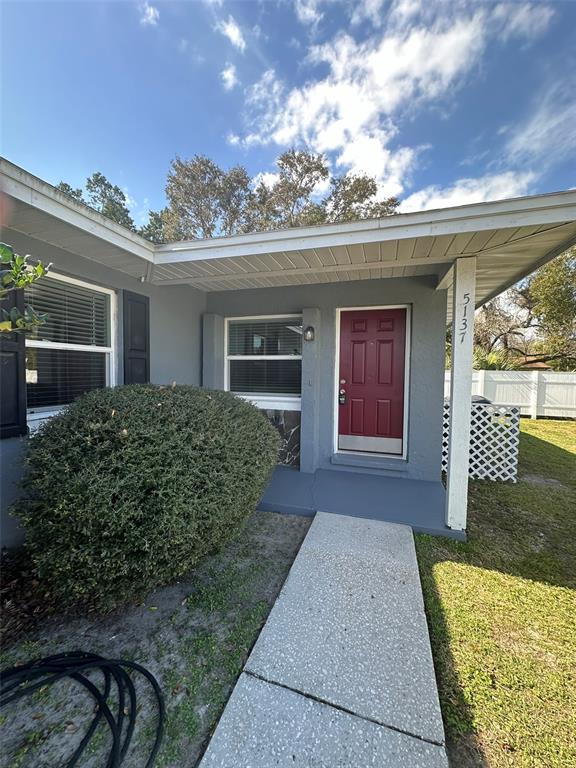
x=336, y=374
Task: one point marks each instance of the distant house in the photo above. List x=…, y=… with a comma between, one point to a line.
x=336, y=331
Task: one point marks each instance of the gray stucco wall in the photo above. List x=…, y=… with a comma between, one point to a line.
x=426, y=362
x=175, y=345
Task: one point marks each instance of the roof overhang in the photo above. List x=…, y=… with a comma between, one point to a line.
x=41, y=211
x=510, y=238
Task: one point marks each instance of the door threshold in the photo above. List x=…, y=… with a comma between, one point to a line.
x=380, y=461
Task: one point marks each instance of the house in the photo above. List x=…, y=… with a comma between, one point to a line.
x=336, y=331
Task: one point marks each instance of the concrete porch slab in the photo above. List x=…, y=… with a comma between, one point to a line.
x=349, y=627
x=417, y=503
x=265, y=725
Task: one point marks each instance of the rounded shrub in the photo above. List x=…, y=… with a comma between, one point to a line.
x=128, y=487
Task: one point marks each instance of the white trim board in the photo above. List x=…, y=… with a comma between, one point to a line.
x=554, y=208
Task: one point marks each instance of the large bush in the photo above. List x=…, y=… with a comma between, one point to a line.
x=127, y=488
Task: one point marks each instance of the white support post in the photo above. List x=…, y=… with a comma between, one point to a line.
x=460, y=391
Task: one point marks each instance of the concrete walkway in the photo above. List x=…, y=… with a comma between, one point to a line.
x=342, y=672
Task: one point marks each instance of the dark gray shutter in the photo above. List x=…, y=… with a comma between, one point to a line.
x=12, y=375
x=136, y=338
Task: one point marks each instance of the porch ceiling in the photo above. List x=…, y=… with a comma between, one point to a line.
x=510, y=239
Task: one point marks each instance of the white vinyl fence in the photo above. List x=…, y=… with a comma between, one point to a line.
x=536, y=393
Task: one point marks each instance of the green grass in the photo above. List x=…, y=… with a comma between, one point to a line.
x=502, y=612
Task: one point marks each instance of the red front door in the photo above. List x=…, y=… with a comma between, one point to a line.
x=371, y=382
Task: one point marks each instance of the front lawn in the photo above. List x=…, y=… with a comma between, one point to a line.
x=193, y=636
x=502, y=612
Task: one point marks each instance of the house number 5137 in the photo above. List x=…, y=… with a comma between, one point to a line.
x=463, y=324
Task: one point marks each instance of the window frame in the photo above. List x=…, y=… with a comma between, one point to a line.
x=260, y=399
x=38, y=414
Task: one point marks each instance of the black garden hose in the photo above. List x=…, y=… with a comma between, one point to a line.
x=18, y=682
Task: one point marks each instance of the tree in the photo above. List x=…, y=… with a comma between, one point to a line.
x=300, y=173
x=353, y=197
x=260, y=213
x=204, y=200
x=548, y=298
x=16, y=273
x=108, y=199
x=500, y=326
x=77, y=194
x=537, y=317
x=155, y=229
x=104, y=197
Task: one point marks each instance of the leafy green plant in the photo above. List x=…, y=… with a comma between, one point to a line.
x=129, y=487
x=16, y=272
x=496, y=360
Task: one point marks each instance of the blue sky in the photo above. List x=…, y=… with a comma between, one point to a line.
x=444, y=102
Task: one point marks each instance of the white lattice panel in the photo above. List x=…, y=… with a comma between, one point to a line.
x=494, y=438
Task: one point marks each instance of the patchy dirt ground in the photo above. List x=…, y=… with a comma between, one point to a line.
x=193, y=636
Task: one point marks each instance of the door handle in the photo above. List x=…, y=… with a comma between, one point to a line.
x=342, y=397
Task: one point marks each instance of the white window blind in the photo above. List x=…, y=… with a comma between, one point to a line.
x=264, y=356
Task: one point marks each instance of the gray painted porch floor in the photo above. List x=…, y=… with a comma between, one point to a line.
x=417, y=503
x=342, y=672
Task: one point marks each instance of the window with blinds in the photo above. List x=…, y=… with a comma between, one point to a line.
x=264, y=356
x=71, y=353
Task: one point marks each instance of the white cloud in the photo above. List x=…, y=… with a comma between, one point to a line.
x=149, y=14
x=183, y=45
x=307, y=12
x=229, y=77
x=233, y=139
x=399, y=13
x=232, y=31
x=548, y=134
x=267, y=178
x=352, y=107
x=466, y=191
x=526, y=20
x=510, y=18
x=351, y=113
x=130, y=201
